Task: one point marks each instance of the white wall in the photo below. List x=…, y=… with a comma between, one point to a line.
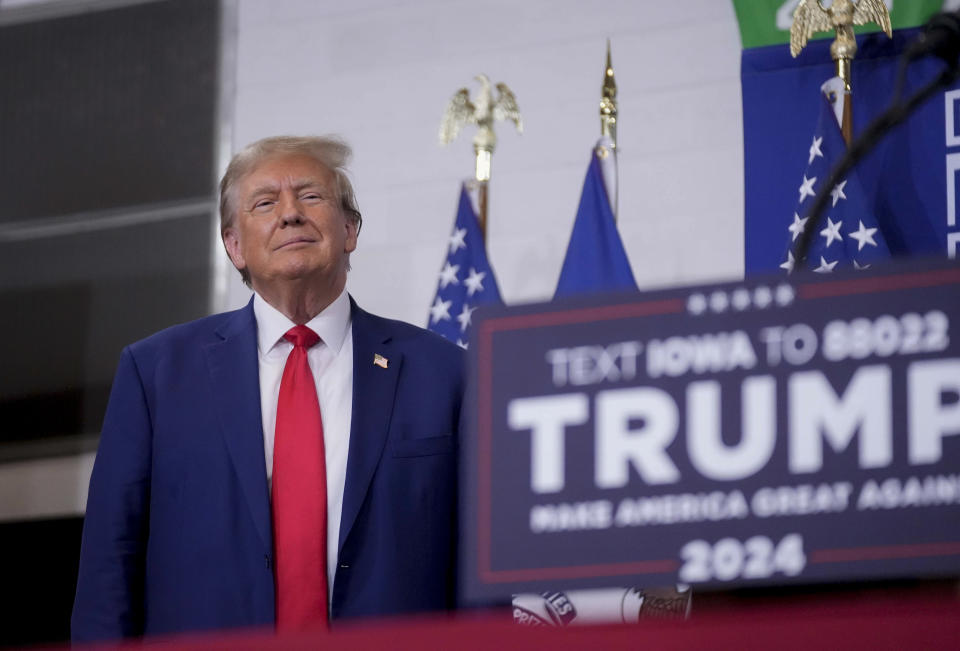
x=379, y=73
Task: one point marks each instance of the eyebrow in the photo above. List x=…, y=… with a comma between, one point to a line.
x=297, y=186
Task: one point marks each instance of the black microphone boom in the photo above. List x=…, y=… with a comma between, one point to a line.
x=940, y=38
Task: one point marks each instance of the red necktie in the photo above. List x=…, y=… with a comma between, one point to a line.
x=299, y=493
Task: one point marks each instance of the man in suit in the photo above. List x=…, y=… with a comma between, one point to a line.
x=288, y=462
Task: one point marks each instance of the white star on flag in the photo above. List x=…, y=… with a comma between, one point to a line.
x=863, y=236
x=464, y=317
x=832, y=232
x=449, y=275
x=440, y=310
x=806, y=189
x=450, y=316
x=457, y=240
x=474, y=281
x=825, y=267
x=837, y=192
x=815, y=149
x=796, y=227
x=788, y=263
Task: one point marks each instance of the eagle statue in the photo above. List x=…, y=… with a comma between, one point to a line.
x=483, y=111
x=811, y=17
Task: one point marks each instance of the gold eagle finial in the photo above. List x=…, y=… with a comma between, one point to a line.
x=811, y=17
x=483, y=112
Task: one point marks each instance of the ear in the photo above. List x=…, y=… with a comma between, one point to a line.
x=231, y=241
x=351, y=243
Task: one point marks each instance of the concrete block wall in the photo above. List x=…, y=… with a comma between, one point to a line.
x=379, y=73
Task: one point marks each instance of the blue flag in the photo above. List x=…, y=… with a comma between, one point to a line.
x=466, y=279
x=908, y=179
x=596, y=260
x=848, y=233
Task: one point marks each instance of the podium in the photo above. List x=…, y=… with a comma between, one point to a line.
x=800, y=430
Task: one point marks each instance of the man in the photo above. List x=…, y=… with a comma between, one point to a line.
x=250, y=474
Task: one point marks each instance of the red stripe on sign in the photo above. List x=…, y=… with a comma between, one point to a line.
x=884, y=552
x=605, y=313
x=879, y=284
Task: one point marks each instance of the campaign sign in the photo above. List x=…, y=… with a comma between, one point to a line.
x=797, y=429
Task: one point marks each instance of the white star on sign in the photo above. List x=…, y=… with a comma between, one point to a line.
x=815, y=149
x=837, y=192
x=788, y=264
x=860, y=267
x=832, y=231
x=457, y=240
x=740, y=299
x=719, y=301
x=784, y=295
x=864, y=236
x=696, y=304
x=825, y=267
x=474, y=282
x=762, y=296
x=440, y=311
x=462, y=344
x=797, y=226
x=449, y=275
x=464, y=317
x=806, y=189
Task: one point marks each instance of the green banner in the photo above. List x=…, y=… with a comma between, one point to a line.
x=767, y=22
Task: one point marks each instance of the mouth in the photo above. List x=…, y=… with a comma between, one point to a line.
x=294, y=242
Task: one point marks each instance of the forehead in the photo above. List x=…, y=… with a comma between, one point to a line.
x=286, y=170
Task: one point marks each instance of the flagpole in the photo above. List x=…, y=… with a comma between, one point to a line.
x=482, y=176
x=484, y=110
x=811, y=17
x=608, y=119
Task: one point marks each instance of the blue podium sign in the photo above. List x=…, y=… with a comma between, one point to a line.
x=780, y=431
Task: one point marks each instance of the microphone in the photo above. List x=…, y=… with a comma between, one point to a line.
x=940, y=37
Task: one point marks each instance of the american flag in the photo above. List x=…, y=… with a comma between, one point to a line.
x=848, y=234
x=466, y=280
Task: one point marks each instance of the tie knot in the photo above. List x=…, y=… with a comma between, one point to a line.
x=301, y=335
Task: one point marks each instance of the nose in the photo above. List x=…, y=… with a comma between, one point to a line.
x=290, y=210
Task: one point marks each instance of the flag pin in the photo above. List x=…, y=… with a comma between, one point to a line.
x=380, y=360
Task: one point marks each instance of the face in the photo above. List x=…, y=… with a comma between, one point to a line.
x=289, y=225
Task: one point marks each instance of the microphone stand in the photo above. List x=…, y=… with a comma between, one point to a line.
x=894, y=115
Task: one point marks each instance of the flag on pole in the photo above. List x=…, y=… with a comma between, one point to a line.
x=596, y=260
x=848, y=234
x=466, y=279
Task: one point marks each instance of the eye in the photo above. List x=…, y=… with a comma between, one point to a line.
x=263, y=206
x=311, y=197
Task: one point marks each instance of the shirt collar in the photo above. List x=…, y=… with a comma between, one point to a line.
x=331, y=324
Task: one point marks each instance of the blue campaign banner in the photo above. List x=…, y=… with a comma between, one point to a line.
x=910, y=178
x=779, y=430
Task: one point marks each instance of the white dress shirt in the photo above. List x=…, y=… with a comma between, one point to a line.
x=331, y=361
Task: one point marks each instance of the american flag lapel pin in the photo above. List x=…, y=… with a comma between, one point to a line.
x=380, y=360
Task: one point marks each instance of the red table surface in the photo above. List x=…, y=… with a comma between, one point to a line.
x=848, y=621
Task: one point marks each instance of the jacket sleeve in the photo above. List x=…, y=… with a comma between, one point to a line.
x=109, y=602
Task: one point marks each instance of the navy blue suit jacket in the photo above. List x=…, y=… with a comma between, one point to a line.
x=177, y=533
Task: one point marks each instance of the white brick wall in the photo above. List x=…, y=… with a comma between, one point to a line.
x=379, y=72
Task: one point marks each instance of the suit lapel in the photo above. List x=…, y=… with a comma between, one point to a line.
x=374, y=388
x=235, y=383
